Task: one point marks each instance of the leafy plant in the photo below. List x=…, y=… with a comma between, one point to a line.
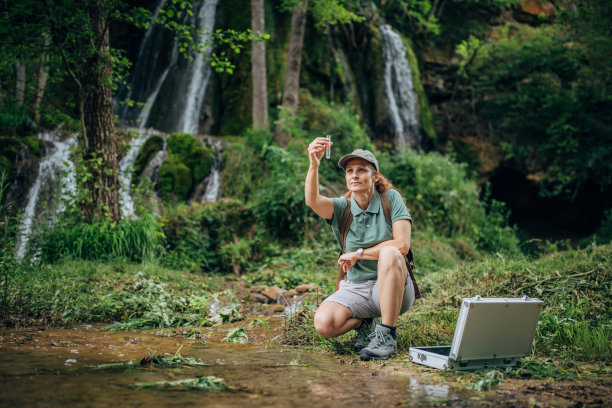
x=237, y=335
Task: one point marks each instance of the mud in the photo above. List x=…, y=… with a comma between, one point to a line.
x=48, y=368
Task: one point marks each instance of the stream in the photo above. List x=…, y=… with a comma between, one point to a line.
x=60, y=367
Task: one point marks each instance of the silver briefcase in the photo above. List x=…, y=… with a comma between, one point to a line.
x=490, y=332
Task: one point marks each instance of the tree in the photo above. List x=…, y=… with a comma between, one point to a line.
x=258, y=61
x=325, y=13
x=79, y=33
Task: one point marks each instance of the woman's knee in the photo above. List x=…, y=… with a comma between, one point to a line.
x=391, y=256
x=324, y=323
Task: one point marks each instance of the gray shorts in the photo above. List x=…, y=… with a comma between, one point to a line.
x=361, y=297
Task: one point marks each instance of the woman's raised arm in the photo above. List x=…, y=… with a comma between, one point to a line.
x=321, y=205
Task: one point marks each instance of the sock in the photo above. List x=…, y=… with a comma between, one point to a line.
x=392, y=331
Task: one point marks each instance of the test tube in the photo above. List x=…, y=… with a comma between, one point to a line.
x=328, y=150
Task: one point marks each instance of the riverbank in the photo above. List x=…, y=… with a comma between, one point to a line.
x=115, y=312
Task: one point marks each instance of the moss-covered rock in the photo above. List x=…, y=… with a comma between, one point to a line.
x=153, y=145
x=187, y=164
x=425, y=117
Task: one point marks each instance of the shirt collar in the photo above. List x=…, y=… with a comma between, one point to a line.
x=373, y=208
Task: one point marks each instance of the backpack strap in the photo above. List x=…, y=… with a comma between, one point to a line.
x=409, y=258
x=347, y=220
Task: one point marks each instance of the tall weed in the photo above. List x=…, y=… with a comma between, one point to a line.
x=136, y=240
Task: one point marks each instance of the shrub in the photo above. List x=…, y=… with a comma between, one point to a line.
x=206, y=237
x=135, y=240
x=438, y=191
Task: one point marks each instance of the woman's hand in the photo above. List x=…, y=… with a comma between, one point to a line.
x=348, y=260
x=316, y=149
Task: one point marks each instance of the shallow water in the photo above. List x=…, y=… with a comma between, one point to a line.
x=58, y=368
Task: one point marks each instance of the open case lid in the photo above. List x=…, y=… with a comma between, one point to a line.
x=495, y=328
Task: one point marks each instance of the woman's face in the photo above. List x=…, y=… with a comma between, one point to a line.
x=360, y=175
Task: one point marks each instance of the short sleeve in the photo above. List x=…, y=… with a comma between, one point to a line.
x=340, y=205
x=398, y=208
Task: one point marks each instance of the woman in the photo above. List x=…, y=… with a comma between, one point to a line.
x=374, y=260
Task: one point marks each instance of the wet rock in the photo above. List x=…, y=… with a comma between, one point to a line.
x=258, y=288
x=288, y=294
x=273, y=293
x=305, y=288
x=277, y=308
x=258, y=297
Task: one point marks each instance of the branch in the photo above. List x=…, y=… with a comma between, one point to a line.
x=59, y=45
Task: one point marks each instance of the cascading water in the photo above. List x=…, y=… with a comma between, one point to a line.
x=165, y=82
x=199, y=70
x=213, y=186
x=54, y=168
x=125, y=172
x=146, y=62
x=399, y=90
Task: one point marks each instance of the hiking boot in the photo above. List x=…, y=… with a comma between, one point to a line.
x=363, y=332
x=382, y=345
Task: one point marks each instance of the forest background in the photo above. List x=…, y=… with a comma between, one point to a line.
x=515, y=126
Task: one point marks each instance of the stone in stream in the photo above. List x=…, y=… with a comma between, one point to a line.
x=306, y=287
x=273, y=293
x=258, y=297
x=258, y=288
x=288, y=294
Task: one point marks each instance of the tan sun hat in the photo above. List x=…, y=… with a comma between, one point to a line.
x=359, y=154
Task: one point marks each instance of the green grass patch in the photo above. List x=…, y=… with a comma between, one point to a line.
x=134, y=296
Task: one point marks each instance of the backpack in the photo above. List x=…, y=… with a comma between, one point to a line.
x=345, y=224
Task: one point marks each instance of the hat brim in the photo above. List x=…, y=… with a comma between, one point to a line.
x=345, y=159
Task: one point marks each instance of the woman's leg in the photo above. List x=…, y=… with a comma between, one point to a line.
x=392, y=274
x=332, y=320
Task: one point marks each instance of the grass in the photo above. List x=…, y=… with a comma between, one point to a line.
x=575, y=285
x=131, y=295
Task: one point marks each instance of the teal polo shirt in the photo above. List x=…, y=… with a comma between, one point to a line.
x=369, y=228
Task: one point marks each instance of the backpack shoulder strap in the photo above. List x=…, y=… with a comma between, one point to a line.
x=345, y=224
x=386, y=205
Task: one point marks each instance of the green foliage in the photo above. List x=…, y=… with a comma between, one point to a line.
x=135, y=240
x=438, y=191
x=442, y=196
x=312, y=262
x=531, y=85
x=12, y=146
x=207, y=237
x=187, y=164
x=134, y=295
x=244, y=165
x=16, y=120
x=237, y=335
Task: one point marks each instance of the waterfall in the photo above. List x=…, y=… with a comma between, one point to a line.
x=125, y=172
x=54, y=167
x=199, y=71
x=145, y=63
x=165, y=81
x=213, y=185
x=399, y=90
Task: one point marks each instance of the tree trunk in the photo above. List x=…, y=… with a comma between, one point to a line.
x=42, y=73
x=292, y=73
x=258, y=62
x=100, y=137
x=20, y=76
